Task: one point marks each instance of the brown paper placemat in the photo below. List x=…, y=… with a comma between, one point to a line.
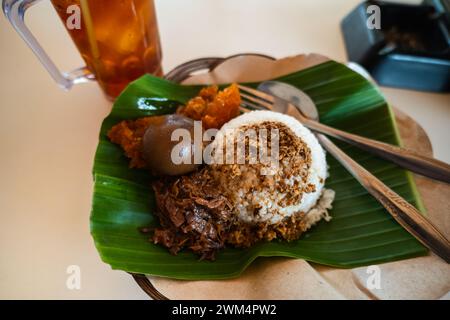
x=283, y=278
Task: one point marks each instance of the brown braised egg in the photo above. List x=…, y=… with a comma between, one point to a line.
x=148, y=143
x=158, y=147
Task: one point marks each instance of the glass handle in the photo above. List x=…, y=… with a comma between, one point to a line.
x=15, y=10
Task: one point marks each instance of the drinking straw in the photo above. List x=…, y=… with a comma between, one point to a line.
x=90, y=30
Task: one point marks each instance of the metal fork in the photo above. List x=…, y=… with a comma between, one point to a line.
x=402, y=211
x=408, y=159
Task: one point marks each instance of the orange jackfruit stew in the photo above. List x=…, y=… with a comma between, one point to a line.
x=213, y=107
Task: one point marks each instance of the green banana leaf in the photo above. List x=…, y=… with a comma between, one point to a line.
x=361, y=232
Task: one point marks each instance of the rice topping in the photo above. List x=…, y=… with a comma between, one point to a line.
x=295, y=184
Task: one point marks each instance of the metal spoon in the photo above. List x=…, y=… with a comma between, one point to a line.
x=403, y=157
x=293, y=102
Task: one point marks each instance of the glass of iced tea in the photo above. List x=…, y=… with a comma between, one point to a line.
x=117, y=39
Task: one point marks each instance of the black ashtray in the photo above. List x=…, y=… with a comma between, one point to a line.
x=411, y=49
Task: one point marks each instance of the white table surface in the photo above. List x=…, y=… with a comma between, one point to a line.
x=48, y=137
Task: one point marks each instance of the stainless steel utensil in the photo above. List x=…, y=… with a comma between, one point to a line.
x=403, y=157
